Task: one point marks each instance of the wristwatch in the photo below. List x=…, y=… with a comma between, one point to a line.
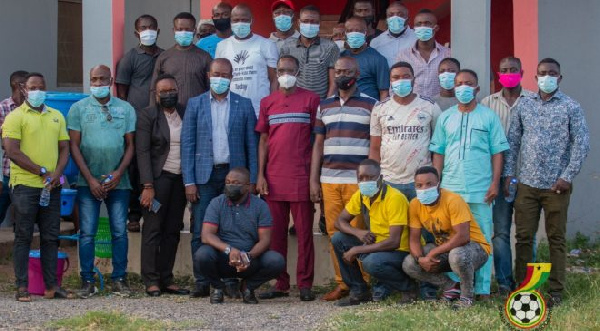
x=43, y=171
x=227, y=250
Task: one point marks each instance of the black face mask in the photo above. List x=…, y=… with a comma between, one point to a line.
x=345, y=82
x=168, y=101
x=222, y=24
x=233, y=192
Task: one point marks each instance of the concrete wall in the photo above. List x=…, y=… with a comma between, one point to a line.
x=572, y=44
x=97, y=36
x=28, y=36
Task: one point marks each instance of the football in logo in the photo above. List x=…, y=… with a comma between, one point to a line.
x=526, y=309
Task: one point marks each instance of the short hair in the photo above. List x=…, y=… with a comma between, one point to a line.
x=185, y=16
x=33, y=74
x=312, y=8
x=363, y=1
x=426, y=11
x=145, y=16
x=290, y=57
x=512, y=58
x=242, y=171
x=221, y=59
x=16, y=75
x=403, y=64
x=549, y=60
x=223, y=5
x=371, y=163
x=163, y=77
x=427, y=170
x=451, y=59
x=469, y=71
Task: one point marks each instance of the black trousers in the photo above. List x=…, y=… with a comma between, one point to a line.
x=160, y=232
x=135, y=210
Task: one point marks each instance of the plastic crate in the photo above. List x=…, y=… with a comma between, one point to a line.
x=103, y=240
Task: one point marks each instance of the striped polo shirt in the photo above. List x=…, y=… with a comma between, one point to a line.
x=346, y=129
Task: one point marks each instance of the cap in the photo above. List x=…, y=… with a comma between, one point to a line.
x=288, y=3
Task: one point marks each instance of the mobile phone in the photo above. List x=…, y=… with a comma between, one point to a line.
x=245, y=258
x=155, y=205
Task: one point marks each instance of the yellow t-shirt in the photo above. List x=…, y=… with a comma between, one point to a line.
x=392, y=211
x=39, y=134
x=439, y=219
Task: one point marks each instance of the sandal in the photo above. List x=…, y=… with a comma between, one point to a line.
x=23, y=296
x=133, y=226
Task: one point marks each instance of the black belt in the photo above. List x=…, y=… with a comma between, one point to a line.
x=221, y=166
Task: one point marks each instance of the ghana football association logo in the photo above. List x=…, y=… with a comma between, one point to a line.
x=525, y=308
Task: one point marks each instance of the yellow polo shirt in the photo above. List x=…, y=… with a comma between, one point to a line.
x=39, y=134
x=392, y=211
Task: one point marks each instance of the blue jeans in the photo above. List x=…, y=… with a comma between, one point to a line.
x=117, y=204
x=384, y=267
x=502, y=216
x=4, y=200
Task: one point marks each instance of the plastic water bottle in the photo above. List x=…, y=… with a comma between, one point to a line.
x=512, y=190
x=45, y=196
x=107, y=179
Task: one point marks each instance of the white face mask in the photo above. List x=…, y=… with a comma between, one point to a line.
x=148, y=37
x=340, y=44
x=287, y=81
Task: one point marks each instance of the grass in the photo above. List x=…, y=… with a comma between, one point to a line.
x=103, y=320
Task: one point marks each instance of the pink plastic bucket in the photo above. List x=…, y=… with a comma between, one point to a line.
x=36, y=277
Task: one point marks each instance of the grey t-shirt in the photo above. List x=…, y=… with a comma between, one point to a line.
x=445, y=102
x=135, y=70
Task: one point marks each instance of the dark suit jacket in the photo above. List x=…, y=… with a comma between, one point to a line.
x=152, y=142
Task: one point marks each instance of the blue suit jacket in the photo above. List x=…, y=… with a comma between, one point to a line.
x=196, y=138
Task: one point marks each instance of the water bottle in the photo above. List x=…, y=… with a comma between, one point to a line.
x=107, y=179
x=45, y=196
x=512, y=190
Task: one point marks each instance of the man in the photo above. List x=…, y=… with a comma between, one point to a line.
x=341, y=143
x=253, y=57
x=285, y=124
x=205, y=28
x=187, y=63
x=374, y=70
x=217, y=135
x=338, y=35
x=36, y=141
x=503, y=103
x=134, y=75
x=401, y=129
x=283, y=17
x=459, y=244
x=425, y=55
x=317, y=55
x=102, y=128
x=16, y=80
x=398, y=35
x=363, y=9
x=549, y=133
x=446, y=74
x=221, y=16
x=467, y=143
x=236, y=239
x=380, y=248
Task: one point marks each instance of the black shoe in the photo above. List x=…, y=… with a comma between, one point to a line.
x=58, y=293
x=87, y=290
x=273, y=294
x=354, y=299
x=249, y=297
x=216, y=296
x=554, y=301
x=307, y=294
x=232, y=290
x=322, y=225
x=176, y=291
x=200, y=291
x=154, y=294
x=121, y=288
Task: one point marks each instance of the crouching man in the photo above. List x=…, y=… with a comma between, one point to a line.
x=382, y=247
x=459, y=244
x=236, y=239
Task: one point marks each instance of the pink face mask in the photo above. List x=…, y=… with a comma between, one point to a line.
x=509, y=80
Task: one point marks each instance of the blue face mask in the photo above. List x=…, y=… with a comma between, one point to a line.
x=309, y=30
x=355, y=39
x=547, y=84
x=447, y=80
x=402, y=87
x=241, y=29
x=396, y=24
x=184, y=38
x=424, y=33
x=100, y=91
x=428, y=196
x=464, y=93
x=369, y=188
x=36, y=98
x=283, y=22
x=219, y=85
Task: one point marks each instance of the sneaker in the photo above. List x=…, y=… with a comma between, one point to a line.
x=200, y=291
x=216, y=296
x=379, y=296
x=452, y=293
x=554, y=301
x=462, y=303
x=87, y=290
x=354, y=299
x=121, y=288
x=249, y=297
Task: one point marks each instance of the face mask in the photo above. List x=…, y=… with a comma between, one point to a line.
x=396, y=24
x=233, y=191
x=100, y=91
x=428, y=196
x=402, y=87
x=219, y=85
x=447, y=80
x=309, y=30
x=169, y=101
x=340, y=44
x=241, y=29
x=369, y=188
x=547, y=84
x=509, y=80
x=424, y=33
x=355, y=39
x=283, y=22
x=287, y=81
x=464, y=93
x=345, y=82
x=36, y=98
x=184, y=38
x=148, y=37
x=222, y=24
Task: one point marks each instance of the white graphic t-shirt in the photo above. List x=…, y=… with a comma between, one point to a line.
x=250, y=59
x=405, y=133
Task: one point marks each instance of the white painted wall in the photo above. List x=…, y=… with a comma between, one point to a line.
x=97, y=36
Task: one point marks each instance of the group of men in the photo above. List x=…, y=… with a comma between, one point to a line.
x=385, y=130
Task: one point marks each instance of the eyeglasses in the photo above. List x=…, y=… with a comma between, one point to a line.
x=106, y=112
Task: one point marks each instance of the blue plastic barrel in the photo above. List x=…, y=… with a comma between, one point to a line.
x=67, y=201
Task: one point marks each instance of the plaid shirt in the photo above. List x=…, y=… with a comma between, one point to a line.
x=6, y=106
x=427, y=83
